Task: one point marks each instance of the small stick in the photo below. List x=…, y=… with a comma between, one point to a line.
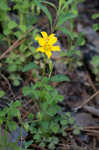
x=89, y=99
x=91, y=82
x=15, y=44
x=9, y=85
x=92, y=110
x=37, y=147
x=94, y=143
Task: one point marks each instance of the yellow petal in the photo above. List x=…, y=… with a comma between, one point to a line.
x=37, y=38
x=55, y=48
x=51, y=36
x=41, y=41
x=40, y=49
x=44, y=34
x=49, y=54
x=52, y=41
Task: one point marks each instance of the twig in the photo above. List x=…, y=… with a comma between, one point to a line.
x=92, y=110
x=94, y=143
x=28, y=102
x=92, y=127
x=89, y=99
x=26, y=113
x=88, y=128
x=38, y=147
x=15, y=44
x=91, y=82
x=95, y=132
x=7, y=83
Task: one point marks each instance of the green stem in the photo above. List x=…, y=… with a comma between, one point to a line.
x=59, y=8
x=69, y=42
x=50, y=67
x=21, y=18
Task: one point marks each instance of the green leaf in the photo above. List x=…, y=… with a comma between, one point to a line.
x=71, y=121
x=45, y=10
x=12, y=67
x=80, y=40
x=14, y=112
x=68, y=114
x=55, y=128
x=23, y=28
x=48, y=88
x=1, y=37
x=66, y=32
x=96, y=26
x=3, y=5
x=51, y=4
x=12, y=25
x=31, y=19
x=64, y=122
x=66, y=4
x=35, y=32
x=37, y=137
x=4, y=112
x=26, y=91
x=31, y=116
x=61, y=98
x=6, y=31
x=54, y=141
x=1, y=121
x=45, y=124
x=16, y=82
x=63, y=18
x=18, y=34
x=60, y=78
x=42, y=144
x=76, y=131
x=51, y=111
x=39, y=115
x=95, y=16
x=17, y=103
x=28, y=143
x=2, y=93
x=44, y=80
x=30, y=66
x=26, y=126
x=51, y=146
x=12, y=125
x=95, y=60
x=64, y=133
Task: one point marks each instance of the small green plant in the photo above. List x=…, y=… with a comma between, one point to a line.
x=2, y=93
x=96, y=25
x=6, y=119
x=49, y=119
x=95, y=59
x=26, y=15
x=14, y=25
x=95, y=66
x=65, y=22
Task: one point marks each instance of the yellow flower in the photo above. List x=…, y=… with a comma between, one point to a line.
x=46, y=44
